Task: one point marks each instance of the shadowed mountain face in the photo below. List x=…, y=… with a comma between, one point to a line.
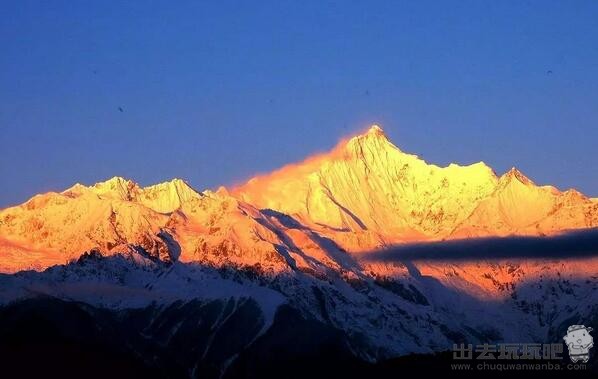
x=361, y=254
x=99, y=317
x=182, y=340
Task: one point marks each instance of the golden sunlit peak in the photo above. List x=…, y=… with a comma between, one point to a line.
x=375, y=129
x=514, y=173
x=373, y=136
x=115, y=181
x=373, y=132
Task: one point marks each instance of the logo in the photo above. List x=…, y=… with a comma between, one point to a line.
x=579, y=341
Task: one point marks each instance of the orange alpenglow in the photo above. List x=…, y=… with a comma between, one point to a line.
x=363, y=195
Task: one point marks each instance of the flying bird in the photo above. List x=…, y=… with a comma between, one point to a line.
x=120, y=109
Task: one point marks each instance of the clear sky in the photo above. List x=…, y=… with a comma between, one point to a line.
x=214, y=92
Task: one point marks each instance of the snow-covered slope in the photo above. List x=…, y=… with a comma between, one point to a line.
x=307, y=235
x=368, y=184
x=169, y=221
x=518, y=206
x=363, y=195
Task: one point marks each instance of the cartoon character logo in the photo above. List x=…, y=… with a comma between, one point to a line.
x=579, y=341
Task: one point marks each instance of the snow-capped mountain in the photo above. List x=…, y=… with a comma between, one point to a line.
x=368, y=184
x=364, y=194
x=308, y=238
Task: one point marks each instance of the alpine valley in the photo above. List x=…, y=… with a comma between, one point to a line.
x=311, y=268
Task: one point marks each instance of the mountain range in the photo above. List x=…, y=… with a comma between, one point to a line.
x=314, y=245
x=363, y=195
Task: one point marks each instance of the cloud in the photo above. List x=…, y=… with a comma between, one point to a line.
x=577, y=244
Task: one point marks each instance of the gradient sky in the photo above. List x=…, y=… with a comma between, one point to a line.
x=215, y=92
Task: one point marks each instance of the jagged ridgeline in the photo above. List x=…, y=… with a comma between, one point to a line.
x=362, y=195
x=316, y=259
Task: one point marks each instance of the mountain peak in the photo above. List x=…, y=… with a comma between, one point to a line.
x=167, y=196
x=375, y=130
x=374, y=139
x=174, y=187
x=515, y=174
x=115, y=180
x=174, y=183
x=116, y=187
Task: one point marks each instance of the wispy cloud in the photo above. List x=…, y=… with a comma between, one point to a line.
x=577, y=244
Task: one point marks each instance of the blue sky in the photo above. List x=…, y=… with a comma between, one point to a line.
x=215, y=92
